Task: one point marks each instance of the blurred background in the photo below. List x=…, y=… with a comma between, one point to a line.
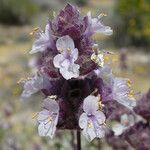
x=130, y=20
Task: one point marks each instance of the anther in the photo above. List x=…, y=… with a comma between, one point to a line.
x=34, y=115
x=89, y=124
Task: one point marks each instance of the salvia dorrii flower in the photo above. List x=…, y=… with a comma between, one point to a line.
x=126, y=121
x=74, y=76
x=92, y=120
x=32, y=86
x=48, y=118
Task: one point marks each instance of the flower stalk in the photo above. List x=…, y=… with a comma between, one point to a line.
x=78, y=140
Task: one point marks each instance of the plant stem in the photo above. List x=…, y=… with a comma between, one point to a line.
x=78, y=140
x=73, y=141
x=99, y=144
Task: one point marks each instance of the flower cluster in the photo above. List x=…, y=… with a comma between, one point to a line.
x=75, y=76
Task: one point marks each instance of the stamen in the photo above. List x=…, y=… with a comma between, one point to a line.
x=22, y=80
x=34, y=31
x=102, y=15
x=89, y=124
x=34, y=115
x=129, y=83
x=130, y=94
x=100, y=105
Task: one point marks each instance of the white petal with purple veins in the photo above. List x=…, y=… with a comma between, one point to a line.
x=74, y=54
x=42, y=115
x=89, y=132
x=48, y=118
x=92, y=120
x=100, y=117
x=120, y=92
x=65, y=60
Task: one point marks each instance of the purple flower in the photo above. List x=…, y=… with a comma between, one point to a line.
x=48, y=118
x=32, y=86
x=44, y=40
x=126, y=121
x=121, y=92
x=92, y=120
x=96, y=26
x=65, y=60
x=73, y=69
x=118, y=89
x=143, y=106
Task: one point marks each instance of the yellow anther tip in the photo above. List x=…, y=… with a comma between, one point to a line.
x=89, y=124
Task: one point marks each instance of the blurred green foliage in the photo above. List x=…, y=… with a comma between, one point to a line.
x=132, y=18
x=79, y=2
x=17, y=12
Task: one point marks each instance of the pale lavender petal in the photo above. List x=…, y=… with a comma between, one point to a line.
x=51, y=105
x=48, y=118
x=96, y=26
x=65, y=63
x=100, y=117
x=120, y=92
x=89, y=132
x=32, y=86
x=43, y=41
x=74, y=54
x=105, y=73
x=65, y=43
x=71, y=72
x=41, y=129
x=90, y=104
x=58, y=59
x=100, y=28
x=83, y=120
x=118, y=129
x=43, y=115
x=47, y=129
